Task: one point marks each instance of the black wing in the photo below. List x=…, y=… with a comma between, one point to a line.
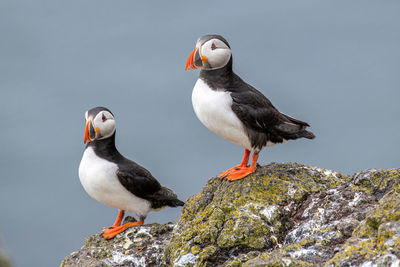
x=259, y=116
x=137, y=179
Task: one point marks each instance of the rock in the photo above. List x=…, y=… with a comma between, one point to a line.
x=282, y=215
x=376, y=240
x=138, y=246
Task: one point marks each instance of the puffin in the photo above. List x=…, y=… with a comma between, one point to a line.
x=235, y=110
x=116, y=181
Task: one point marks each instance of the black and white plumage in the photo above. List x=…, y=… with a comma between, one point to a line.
x=233, y=109
x=114, y=180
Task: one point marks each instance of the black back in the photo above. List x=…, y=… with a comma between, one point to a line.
x=134, y=177
x=262, y=121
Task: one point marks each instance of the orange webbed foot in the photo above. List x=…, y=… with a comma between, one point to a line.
x=223, y=174
x=112, y=231
x=239, y=174
x=242, y=165
x=241, y=171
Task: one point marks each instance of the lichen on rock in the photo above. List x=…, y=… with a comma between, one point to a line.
x=250, y=215
x=282, y=215
x=376, y=240
x=138, y=246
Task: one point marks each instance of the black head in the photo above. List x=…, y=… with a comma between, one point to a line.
x=205, y=38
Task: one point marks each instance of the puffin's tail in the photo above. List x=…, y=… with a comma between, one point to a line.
x=293, y=128
x=166, y=197
x=176, y=203
x=307, y=134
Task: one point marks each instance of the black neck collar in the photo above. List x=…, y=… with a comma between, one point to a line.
x=105, y=148
x=219, y=79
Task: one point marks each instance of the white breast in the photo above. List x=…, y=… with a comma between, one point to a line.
x=213, y=108
x=99, y=179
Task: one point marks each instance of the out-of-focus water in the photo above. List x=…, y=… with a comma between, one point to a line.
x=333, y=64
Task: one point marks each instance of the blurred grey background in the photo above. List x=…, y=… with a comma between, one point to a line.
x=334, y=64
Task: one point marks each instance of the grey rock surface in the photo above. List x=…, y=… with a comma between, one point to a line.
x=139, y=246
x=282, y=215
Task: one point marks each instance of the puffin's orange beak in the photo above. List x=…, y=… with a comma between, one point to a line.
x=90, y=133
x=195, y=60
x=190, y=62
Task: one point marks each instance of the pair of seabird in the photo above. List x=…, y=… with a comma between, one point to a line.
x=222, y=101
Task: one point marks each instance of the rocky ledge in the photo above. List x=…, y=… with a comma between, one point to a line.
x=282, y=215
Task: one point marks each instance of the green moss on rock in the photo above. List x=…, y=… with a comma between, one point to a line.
x=282, y=215
x=376, y=236
x=246, y=213
x=275, y=259
x=138, y=246
x=376, y=181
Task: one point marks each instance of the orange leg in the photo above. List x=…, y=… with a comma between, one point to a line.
x=117, y=228
x=243, y=171
x=245, y=160
x=118, y=221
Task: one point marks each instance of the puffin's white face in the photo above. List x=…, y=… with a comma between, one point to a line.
x=210, y=55
x=100, y=127
x=217, y=54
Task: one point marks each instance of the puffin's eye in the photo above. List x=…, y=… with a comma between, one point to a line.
x=213, y=46
x=103, y=118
